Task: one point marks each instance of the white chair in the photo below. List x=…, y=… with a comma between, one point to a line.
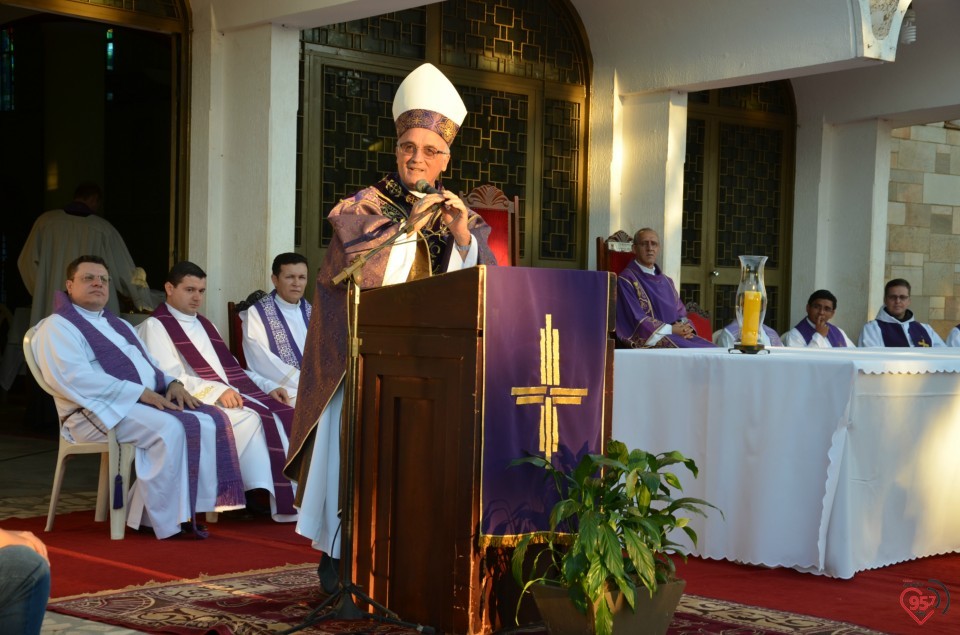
x=115, y=458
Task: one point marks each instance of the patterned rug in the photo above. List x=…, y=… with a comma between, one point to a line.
x=270, y=601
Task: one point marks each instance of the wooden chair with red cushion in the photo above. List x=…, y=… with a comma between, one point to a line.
x=614, y=253
x=502, y=214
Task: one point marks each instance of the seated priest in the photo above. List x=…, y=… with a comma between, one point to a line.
x=427, y=111
x=815, y=330
x=275, y=326
x=729, y=336
x=895, y=325
x=186, y=460
x=649, y=311
x=189, y=347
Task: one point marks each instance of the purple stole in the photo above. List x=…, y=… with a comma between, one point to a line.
x=278, y=332
x=834, y=336
x=238, y=379
x=893, y=334
x=115, y=363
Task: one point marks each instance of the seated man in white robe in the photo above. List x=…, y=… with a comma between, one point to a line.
x=105, y=380
x=815, y=330
x=189, y=347
x=275, y=327
x=895, y=325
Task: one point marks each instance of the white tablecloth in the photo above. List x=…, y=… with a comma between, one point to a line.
x=829, y=461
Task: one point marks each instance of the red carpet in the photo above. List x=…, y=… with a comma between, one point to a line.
x=870, y=599
x=83, y=559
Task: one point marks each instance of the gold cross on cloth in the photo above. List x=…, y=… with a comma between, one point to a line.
x=549, y=394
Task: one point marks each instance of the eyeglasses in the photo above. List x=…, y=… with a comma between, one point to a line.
x=88, y=278
x=407, y=149
x=900, y=298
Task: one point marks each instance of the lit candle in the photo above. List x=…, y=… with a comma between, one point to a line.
x=750, y=331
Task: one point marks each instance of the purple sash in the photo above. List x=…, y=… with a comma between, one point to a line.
x=238, y=379
x=893, y=334
x=115, y=363
x=834, y=336
x=278, y=331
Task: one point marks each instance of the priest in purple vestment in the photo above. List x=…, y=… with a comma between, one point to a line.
x=428, y=113
x=815, y=330
x=895, y=325
x=649, y=311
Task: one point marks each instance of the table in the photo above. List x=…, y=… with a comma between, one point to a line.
x=827, y=461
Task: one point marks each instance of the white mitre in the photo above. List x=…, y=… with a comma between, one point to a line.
x=427, y=99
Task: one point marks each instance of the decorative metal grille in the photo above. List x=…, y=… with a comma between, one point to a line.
x=358, y=134
x=689, y=292
x=693, y=171
x=749, y=194
x=491, y=146
x=725, y=305
x=528, y=39
x=156, y=8
x=772, y=97
x=561, y=180
x=401, y=34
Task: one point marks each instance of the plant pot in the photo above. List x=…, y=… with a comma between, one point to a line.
x=652, y=617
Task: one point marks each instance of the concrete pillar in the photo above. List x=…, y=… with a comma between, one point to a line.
x=653, y=140
x=243, y=161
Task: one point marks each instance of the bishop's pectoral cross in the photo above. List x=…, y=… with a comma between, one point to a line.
x=549, y=394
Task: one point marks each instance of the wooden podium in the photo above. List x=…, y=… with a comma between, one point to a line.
x=419, y=447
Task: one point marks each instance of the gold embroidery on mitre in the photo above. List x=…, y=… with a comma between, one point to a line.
x=420, y=118
x=549, y=394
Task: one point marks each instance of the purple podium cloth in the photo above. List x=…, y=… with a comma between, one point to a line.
x=645, y=302
x=545, y=348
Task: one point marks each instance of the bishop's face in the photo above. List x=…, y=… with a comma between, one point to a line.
x=291, y=282
x=89, y=286
x=187, y=297
x=414, y=162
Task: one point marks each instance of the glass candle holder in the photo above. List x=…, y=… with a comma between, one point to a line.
x=751, y=301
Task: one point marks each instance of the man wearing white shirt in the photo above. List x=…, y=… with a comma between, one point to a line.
x=815, y=330
x=104, y=379
x=275, y=327
x=189, y=347
x=895, y=325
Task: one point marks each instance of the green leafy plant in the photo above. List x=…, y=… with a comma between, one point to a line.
x=611, y=527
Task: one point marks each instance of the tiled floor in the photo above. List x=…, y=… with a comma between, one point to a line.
x=27, y=462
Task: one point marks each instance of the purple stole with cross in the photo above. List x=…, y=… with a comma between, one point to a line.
x=117, y=364
x=278, y=332
x=893, y=334
x=834, y=336
x=238, y=379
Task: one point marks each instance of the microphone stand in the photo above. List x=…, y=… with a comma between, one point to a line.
x=347, y=608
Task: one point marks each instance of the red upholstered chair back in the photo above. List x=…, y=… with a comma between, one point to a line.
x=501, y=213
x=614, y=255
x=702, y=326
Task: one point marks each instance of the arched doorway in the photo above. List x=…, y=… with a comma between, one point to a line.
x=95, y=92
x=522, y=68
x=738, y=196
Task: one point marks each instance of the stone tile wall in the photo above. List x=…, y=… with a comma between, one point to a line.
x=923, y=223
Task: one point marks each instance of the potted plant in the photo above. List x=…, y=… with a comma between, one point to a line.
x=609, y=538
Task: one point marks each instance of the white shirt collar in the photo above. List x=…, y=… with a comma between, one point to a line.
x=182, y=317
x=283, y=304
x=651, y=270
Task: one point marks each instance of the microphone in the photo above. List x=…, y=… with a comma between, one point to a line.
x=424, y=187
